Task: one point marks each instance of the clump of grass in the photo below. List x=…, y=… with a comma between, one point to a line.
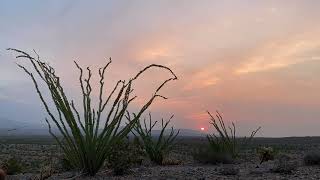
x=155, y=147
x=87, y=138
x=312, y=158
x=225, y=141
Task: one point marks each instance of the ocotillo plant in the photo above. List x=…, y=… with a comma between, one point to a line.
x=88, y=138
x=156, y=147
x=226, y=141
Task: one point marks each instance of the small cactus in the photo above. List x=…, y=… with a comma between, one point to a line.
x=266, y=154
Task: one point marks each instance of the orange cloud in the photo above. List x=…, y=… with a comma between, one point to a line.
x=203, y=78
x=279, y=54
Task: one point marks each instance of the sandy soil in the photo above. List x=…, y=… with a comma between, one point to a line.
x=36, y=157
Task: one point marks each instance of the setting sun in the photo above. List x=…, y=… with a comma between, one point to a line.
x=202, y=129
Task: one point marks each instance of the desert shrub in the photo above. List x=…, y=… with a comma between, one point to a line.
x=266, y=154
x=226, y=141
x=12, y=166
x=123, y=156
x=137, y=151
x=87, y=138
x=155, y=147
x=312, y=158
x=284, y=165
x=120, y=158
x=207, y=155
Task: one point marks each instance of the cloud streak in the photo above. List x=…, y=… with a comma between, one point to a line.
x=280, y=54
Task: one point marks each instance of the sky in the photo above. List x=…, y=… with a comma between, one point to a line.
x=257, y=62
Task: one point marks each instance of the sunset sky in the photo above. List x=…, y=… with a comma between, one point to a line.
x=257, y=62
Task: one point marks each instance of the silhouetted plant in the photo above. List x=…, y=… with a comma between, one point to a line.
x=226, y=141
x=85, y=145
x=156, y=147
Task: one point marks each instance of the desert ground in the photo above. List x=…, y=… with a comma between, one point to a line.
x=38, y=155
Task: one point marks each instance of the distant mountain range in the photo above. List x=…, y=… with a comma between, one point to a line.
x=43, y=131
x=6, y=123
x=12, y=128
